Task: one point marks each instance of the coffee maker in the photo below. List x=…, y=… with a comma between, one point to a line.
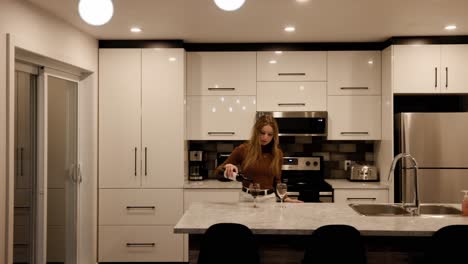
x=197, y=166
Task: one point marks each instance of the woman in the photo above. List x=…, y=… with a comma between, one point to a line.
x=259, y=159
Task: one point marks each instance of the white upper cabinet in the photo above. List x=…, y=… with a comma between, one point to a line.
x=354, y=117
x=291, y=96
x=292, y=66
x=139, y=146
x=221, y=73
x=220, y=117
x=430, y=68
x=119, y=117
x=454, y=62
x=354, y=73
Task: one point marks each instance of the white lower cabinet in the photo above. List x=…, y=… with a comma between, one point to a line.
x=138, y=225
x=291, y=96
x=354, y=118
x=220, y=117
x=139, y=243
x=360, y=196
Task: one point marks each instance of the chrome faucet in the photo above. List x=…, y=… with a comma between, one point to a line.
x=416, y=186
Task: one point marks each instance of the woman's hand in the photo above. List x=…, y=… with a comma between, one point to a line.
x=290, y=200
x=230, y=169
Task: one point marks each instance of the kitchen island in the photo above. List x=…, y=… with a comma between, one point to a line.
x=389, y=239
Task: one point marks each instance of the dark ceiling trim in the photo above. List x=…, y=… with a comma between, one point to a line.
x=283, y=46
x=299, y=46
x=127, y=43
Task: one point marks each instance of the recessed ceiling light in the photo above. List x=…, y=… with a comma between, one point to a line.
x=96, y=12
x=278, y=52
x=370, y=62
x=289, y=29
x=172, y=59
x=302, y=1
x=451, y=27
x=135, y=29
x=272, y=62
x=229, y=5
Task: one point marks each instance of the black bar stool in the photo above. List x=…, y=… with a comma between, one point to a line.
x=332, y=244
x=228, y=243
x=448, y=245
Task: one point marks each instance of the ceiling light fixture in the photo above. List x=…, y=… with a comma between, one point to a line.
x=451, y=27
x=289, y=29
x=135, y=29
x=229, y=5
x=96, y=12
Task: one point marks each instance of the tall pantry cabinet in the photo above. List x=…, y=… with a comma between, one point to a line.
x=141, y=154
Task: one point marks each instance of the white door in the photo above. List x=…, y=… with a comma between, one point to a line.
x=416, y=68
x=58, y=169
x=162, y=118
x=119, y=118
x=454, y=64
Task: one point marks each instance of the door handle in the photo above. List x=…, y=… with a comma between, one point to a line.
x=446, y=77
x=135, y=171
x=435, y=77
x=146, y=161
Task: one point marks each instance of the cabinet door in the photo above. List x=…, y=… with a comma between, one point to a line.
x=292, y=96
x=292, y=66
x=354, y=73
x=354, y=117
x=162, y=118
x=360, y=196
x=119, y=118
x=454, y=77
x=220, y=117
x=416, y=69
x=221, y=73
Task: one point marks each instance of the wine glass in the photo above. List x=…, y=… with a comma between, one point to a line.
x=281, y=190
x=254, y=189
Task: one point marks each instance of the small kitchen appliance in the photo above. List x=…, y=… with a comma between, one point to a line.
x=197, y=166
x=363, y=173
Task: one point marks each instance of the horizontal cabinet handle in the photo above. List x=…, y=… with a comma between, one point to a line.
x=141, y=207
x=22, y=207
x=291, y=74
x=354, y=88
x=291, y=104
x=20, y=245
x=141, y=244
x=221, y=89
x=354, y=133
x=361, y=198
x=221, y=133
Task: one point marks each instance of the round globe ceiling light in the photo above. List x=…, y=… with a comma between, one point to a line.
x=96, y=12
x=229, y=5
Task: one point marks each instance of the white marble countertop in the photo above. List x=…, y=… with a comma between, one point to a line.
x=302, y=219
x=345, y=184
x=212, y=184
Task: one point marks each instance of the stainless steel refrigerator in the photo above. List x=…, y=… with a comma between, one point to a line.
x=439, y=143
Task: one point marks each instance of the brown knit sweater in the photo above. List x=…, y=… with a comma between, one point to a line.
x=260, y=172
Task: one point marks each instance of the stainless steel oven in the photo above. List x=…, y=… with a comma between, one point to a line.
x=300, y=123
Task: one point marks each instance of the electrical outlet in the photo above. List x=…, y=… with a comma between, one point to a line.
x=347, y=164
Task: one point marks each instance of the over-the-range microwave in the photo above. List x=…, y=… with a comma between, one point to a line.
x=300, y=123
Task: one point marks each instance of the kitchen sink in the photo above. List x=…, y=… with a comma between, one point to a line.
x=380, y=209
x=400, y=210
x=438, y=209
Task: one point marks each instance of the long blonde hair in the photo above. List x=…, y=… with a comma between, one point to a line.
x=255, y=148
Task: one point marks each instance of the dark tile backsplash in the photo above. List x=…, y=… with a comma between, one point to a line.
x=333, y=152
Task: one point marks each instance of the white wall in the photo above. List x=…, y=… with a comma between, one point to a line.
x=39, y=32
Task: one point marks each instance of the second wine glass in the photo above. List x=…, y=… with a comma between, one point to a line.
x=281, y=190
x=254, y=189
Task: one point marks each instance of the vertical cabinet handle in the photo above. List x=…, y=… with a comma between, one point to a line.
x=21, y=161
x=435, y=77
x=446, y=77
x=146, y=161
x=135, y=171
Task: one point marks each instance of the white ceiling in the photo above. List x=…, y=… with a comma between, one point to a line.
x=200, y=21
